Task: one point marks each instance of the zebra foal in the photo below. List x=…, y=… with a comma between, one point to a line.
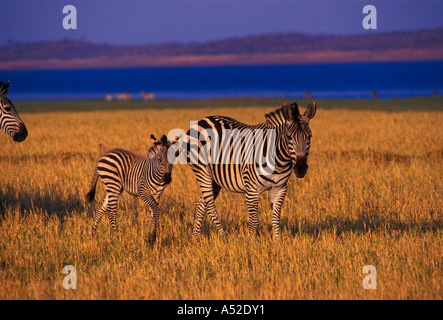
x=219, y=150
x=10, y=121
x=142, y=176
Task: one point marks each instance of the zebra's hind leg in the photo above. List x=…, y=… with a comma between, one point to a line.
x=112, y=210
x=101, y=209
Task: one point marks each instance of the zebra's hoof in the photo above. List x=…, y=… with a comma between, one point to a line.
x=224, y=236
x=197, y=237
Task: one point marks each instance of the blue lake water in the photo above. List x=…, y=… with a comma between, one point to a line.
x=402, y=79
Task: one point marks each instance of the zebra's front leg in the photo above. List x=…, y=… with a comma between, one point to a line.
x=157, y=199
x=199, y=213
x=206, y=204
x=212, y=213
x=151, y=203
x=252, y=199
x=277, y=196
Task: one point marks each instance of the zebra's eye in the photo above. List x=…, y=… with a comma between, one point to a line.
x=7, y=109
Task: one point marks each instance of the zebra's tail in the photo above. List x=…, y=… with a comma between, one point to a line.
x=91, y=194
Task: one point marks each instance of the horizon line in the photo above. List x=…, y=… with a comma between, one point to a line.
x=11, y=42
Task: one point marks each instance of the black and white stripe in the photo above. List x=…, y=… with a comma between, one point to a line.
x=142, y=176
x=10, y=121
x=284, y=140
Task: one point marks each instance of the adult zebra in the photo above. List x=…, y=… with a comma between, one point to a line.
x=284, y=140
x=10, y=122
x=143, y=176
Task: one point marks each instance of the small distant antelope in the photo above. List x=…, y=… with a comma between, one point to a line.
x=374, y=95
x=108, y=97
x=123, y=96
x=147, y=95
x=142, y=176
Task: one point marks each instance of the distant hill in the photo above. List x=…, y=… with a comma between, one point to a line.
x=259, y=49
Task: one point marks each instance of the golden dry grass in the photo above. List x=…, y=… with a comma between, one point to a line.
x=372, y=196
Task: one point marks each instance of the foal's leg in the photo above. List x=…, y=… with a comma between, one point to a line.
x=101, y=209
x=112, y=208
x=151, y=203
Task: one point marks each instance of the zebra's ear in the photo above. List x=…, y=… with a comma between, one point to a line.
x=290, y=112
x=310, y=110
x=295, y=110
x=164, y=140
x=287, y=111
x=155, y=142
x=4, y=87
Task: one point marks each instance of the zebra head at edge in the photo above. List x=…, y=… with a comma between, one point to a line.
x=10, y=121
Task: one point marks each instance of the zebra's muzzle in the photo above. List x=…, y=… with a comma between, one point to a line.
x=301, y=167
x=21, y=134
x=168, y=177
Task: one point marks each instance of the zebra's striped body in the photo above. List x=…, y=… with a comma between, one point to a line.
x=285, y=137
x=10, y=121
x=142, y=176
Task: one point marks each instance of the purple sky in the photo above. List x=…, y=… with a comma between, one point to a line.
x=136, y=21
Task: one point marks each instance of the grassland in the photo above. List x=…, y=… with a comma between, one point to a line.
x=372, y=196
